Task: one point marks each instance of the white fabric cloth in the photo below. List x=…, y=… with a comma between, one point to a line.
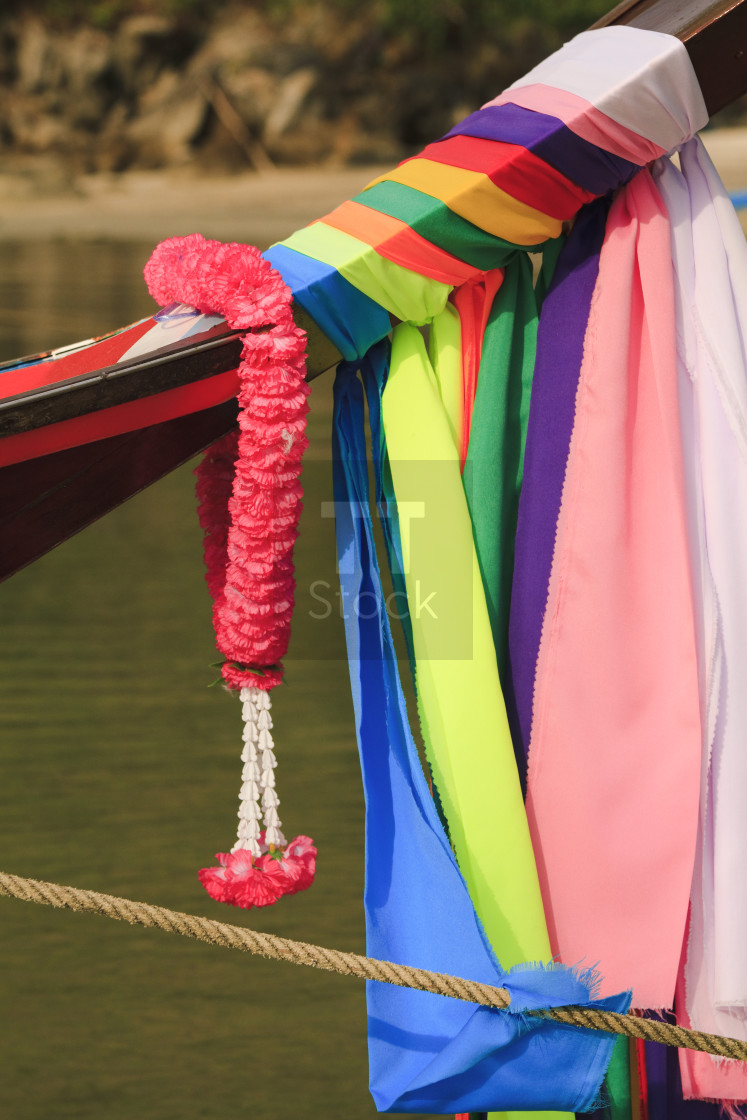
x=710, y=264
x=644, y=80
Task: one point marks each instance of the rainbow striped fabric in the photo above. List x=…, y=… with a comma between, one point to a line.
x=570, y=539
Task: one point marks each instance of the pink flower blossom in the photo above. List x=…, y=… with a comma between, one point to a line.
x=249, y=884
x=299, y=864
x=272, y=865
x=246, y=881
x=214, y=881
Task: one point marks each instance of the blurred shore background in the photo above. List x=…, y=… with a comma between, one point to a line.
x=122, y=123
x=92, y=86
x=138, y=119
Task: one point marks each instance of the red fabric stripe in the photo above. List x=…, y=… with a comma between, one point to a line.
x=124, y=418
x=515, y=170
x=473, y=301
x=640, y=1057
x=89, y=358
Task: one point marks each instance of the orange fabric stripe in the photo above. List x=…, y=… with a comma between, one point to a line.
x=396, y=241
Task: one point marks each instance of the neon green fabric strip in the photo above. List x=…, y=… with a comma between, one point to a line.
x=403, y=293
x=445, y=352
x=465, y=726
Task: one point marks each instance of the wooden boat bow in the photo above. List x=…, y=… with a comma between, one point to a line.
x=45, y=500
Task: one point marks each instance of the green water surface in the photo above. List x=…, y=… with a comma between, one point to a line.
x=120, y=773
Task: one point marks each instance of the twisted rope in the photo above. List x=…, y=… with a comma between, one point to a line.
x=353, y=964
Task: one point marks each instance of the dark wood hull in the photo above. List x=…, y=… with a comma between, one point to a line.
x=45, y=499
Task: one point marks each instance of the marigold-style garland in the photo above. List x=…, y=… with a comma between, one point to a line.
x=249, y=497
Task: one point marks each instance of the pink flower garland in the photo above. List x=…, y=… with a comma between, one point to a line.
x=249, y=504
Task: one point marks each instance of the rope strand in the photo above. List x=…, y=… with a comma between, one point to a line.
x=353, y=964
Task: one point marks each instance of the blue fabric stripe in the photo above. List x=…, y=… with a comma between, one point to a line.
x=429, y=1053
x=348, y=317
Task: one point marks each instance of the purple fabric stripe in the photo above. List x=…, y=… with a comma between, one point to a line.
x=665, y=1100
x=583, y=163
x=560, y=347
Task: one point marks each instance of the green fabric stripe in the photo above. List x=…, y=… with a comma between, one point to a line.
x=617, y=1082
x=495, y=458
x=434, y=221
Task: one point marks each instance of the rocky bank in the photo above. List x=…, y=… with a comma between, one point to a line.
x=247, y=91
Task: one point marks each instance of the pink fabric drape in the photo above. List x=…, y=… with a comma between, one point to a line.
x=614, y=763
x=584, y=119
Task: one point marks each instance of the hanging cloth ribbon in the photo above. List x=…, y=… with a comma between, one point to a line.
x=615, y=739
x=427, y=1053
x=459, y=694
x=474, y=303
x=483, y=215
x=560, y=345
x=495, y=456
x=602, y=648
x=710, y=264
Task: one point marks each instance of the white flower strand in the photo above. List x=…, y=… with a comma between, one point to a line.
x=257, y=796
x=266, y=746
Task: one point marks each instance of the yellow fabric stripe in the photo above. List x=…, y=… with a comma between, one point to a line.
x=473, y=196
